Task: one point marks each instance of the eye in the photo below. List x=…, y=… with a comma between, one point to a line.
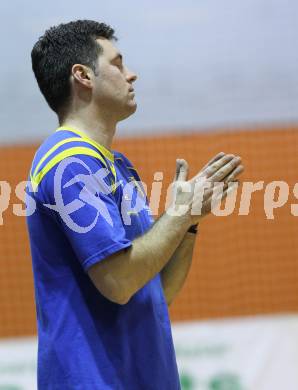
x=118, y=64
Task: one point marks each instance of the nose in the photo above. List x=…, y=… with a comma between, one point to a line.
x=131, y=76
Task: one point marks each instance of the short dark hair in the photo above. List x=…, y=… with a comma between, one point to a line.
x=58, y=50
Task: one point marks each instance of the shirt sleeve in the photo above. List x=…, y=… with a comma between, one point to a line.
x=84, y=204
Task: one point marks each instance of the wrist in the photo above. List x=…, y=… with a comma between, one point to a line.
x=179, y=216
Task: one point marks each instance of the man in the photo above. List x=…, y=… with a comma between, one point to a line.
x=104, y=273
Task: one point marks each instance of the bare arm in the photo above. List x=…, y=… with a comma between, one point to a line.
x=176, y=270
x=121, y=275
x=174, y=274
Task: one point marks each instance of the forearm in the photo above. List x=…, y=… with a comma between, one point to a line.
x=123, y=274
x=174, y=273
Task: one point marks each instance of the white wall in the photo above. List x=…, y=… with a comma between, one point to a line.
x=248, y=353
x=200, y=63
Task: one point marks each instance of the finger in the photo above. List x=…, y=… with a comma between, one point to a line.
x=228, y=189
x=181, y=170
x=215, y=158
x=215, y=188
x=232, y=176
x=215, y=166
x=229, y=184
x=210, y=168
x=225, y=169
x=177, y=169
x=220, y=191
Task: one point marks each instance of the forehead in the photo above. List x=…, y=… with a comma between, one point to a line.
x=109, y=50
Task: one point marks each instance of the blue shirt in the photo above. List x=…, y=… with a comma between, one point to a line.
x=85, y=212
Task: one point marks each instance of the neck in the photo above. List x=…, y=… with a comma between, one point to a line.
x=98, y=127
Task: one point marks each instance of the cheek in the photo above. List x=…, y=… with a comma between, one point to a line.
x=113, y=82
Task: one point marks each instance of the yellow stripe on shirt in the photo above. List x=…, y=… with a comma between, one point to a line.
x=54, y=148
x=58, y=158
x=106, y=153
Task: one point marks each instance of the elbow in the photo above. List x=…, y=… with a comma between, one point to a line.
x=119, y=297
x=111, y=287
x=114, y=293
x=122, y=300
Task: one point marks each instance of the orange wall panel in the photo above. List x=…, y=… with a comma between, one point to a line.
x=243, y=265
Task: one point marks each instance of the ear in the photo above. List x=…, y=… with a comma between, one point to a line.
x=82, y=74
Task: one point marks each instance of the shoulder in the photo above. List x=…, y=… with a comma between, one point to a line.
x=120, y=158
x=73, y=153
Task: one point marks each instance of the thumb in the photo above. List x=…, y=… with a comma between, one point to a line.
x=181, y=170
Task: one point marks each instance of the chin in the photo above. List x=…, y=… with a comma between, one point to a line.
x=134, y=107
x=130, y=110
